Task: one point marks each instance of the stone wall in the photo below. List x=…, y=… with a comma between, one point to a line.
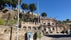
x=9, y=33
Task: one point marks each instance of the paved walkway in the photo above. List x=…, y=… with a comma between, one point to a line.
x=45, y=38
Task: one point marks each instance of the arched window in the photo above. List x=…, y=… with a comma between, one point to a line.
x=5, y=30
x=34, y=28
x=29, y=27
x=53, y=28
x=48, y=24
x=24, y=27
x=52, y=23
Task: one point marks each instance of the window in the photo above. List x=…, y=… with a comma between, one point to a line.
x=52, y=23
x=48, y=24
x=29, y=27
x=53, y=28
x=34, y=28
x=24, y=27
x=5, y=30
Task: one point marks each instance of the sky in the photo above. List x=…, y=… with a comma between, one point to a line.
x=59, y=9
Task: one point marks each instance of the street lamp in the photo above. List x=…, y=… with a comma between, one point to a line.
x=18, y=21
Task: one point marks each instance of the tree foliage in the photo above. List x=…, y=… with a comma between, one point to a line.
x=32, y=7
x=43, y=14
x=24, y=6
x=12, y=3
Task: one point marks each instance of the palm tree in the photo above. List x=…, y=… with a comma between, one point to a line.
x=24, y=6
x=32, y=7
x=43, y=14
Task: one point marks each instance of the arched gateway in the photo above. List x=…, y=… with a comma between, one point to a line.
x=31, y=36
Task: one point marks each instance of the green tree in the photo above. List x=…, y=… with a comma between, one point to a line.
x=67, y=20
x=24, y=6
x=9, y=2
x=32, y=7
x=43, y=14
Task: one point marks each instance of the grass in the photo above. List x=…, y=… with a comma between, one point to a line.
x=2, y=21
x=11, y=22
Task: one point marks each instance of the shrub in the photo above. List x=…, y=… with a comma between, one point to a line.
x=38, y=35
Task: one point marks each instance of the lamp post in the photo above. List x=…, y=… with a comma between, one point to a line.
x=18, y=21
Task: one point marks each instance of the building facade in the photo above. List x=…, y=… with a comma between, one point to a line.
x=33, y=23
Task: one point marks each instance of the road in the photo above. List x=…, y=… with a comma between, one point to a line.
x=51, y=38
x=63, y=38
